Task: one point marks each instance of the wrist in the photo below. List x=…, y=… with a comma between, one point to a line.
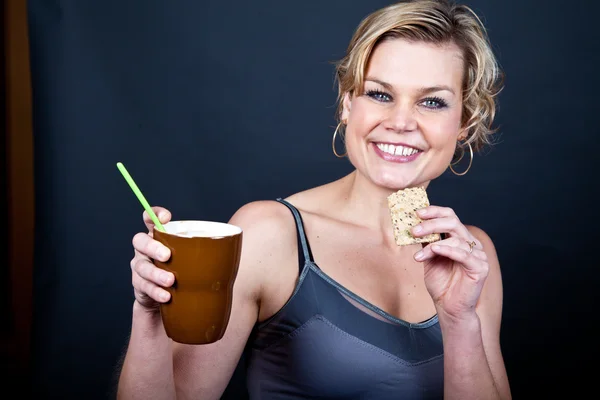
x=142, y=310
x=147, y=321
x=461, y=336
x=468, y=322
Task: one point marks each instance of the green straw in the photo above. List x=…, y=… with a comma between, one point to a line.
x=140, y=196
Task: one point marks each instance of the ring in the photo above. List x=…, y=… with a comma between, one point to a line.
x=471, y=245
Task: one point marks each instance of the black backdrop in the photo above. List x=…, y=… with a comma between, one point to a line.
x=214, y=104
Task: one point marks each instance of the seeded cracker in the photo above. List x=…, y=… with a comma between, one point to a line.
x=403, y=205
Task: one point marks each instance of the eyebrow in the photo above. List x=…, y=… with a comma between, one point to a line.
x=421, y=91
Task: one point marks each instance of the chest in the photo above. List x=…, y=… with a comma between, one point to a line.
x=391, y=280
x=320, y=360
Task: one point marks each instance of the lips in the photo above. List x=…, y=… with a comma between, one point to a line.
x=398, y=153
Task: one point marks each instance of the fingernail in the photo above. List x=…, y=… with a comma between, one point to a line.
x=164, y=296
x=166, y=279
x=419, y=255
x=422, y=211
x=417, y=229
x=164, y=254
x=435, y=247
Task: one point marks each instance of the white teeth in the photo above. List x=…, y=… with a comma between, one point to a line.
x=396, y=150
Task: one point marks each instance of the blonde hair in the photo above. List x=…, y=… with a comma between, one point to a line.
x=438, y=22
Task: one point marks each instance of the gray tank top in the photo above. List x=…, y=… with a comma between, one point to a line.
x=328, y=343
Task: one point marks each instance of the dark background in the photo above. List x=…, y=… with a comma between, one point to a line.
x=212, y=104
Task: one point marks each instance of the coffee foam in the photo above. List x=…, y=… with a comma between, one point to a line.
x=201, y=229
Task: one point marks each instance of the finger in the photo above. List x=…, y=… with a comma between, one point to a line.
x=426, y=253
x=148, y=271
x=163, y=215
x=464, y=244
x=151, y=248
x=435, y=212
x=480, y=254
x=441, y=225
x=144, y=289
x=470, y=263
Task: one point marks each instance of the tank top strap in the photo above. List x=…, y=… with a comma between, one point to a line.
x=302, y=240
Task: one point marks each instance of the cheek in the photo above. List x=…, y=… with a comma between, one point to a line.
x=444, y=132
x=363, y=118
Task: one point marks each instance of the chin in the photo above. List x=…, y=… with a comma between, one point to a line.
x=401, y=178
x=394, y=177
x=394, y=183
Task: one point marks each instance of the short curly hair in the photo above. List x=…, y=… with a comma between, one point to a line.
x=437, y=22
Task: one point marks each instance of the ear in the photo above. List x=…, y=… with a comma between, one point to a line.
x=346, y=106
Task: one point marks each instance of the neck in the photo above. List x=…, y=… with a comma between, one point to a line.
x=367, y=203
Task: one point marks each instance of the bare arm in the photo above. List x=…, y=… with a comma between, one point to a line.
x=156, y=367
x=462, y=275
x=148, y=359
x=473, y=362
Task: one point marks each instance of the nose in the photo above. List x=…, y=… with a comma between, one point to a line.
x=400, y=118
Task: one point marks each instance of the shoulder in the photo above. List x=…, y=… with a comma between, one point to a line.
x=260, y=211
x=268, y=238
x=264, y=221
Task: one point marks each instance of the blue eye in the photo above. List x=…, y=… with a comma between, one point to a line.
x=434, y=103
x=380, y=96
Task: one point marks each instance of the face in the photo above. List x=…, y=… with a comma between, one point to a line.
x=403, y=129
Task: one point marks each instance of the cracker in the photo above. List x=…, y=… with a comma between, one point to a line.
x=403, y=205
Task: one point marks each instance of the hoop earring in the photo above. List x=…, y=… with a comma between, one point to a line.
x=470, y=162
x=333, y=143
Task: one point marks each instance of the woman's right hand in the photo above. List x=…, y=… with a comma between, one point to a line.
x=148, y=280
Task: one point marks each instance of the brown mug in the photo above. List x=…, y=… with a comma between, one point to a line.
x=205, y=257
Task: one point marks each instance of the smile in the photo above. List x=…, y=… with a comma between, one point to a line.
x=396, y=152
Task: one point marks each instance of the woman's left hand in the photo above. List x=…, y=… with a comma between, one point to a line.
x=455, y=267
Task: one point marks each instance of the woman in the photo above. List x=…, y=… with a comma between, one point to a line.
x=358, y=316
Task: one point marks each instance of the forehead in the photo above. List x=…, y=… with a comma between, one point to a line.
x=405, y=63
